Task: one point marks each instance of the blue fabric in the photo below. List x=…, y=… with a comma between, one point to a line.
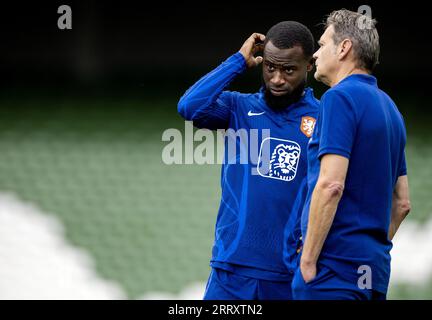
x=225, y=285
x=293, y=236
x=360, y=122
x=257, y=196
x=328, y=285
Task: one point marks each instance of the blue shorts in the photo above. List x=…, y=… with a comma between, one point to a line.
x=225, y=285
x=328, y=285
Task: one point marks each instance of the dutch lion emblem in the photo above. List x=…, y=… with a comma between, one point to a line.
x=283, y=163
x=282, y=160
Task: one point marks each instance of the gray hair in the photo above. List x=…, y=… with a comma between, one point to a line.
x=348, y=25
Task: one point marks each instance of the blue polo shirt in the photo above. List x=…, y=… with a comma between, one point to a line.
x=359, y=121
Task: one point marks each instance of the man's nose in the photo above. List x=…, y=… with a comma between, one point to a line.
x=278, y=79
x=315, y=55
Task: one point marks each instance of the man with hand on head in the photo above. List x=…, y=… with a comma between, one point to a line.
x=257, y=196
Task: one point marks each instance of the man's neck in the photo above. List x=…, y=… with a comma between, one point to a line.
x=346, y=72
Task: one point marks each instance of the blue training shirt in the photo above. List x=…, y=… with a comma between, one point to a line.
x=359, y=121
x=257, y=196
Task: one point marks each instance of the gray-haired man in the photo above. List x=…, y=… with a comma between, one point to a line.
x=358, y=187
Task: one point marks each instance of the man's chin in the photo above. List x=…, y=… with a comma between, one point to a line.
x=279, y=102
x=283, y=99
x=321, y=78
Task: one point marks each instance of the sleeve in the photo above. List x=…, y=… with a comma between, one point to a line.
x=403, y=166
x=338, y=125
x=205, y=102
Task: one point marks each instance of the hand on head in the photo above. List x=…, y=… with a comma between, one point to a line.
x=252, y=45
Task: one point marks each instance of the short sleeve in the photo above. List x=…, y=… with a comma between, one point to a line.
x=338, y=125
x=403, y=167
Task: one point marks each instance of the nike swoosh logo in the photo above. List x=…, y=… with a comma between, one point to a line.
x=250, y=113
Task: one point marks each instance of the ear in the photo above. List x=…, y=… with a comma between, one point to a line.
x=310, y=65
x=344, y=48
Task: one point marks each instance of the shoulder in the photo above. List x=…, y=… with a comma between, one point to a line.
x=245, y=101
x=339, y=96
x=337, y=103
x=311, y=104
x=234, y=97
x=310, y=98
x=338, y=91
x=388, y=99
x=391, y=102
x=239, y=96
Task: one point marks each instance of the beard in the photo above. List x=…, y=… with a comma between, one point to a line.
x=279, y=103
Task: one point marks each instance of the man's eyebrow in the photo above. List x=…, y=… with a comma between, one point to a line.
x=281, y=65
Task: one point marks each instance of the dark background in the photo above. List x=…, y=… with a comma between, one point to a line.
x=164, y=46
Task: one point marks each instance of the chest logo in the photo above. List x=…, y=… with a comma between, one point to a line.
x=283, y=162
x=251, y=114
x=307, y=126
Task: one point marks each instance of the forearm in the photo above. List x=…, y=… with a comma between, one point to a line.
x=324, y=202
x=204, y=93
x=398, y=214
x=401, y=205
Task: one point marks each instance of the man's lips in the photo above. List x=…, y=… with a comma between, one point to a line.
x=277, y=92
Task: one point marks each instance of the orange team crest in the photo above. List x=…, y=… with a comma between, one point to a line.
x=307, y=126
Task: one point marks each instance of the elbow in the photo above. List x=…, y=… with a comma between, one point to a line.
x=187, y=110
x=181, y=108
x=333, y=189
x=404, y=207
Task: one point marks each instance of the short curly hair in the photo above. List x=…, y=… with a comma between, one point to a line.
x=287, y=34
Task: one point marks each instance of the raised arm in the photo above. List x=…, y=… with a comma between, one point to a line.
x=205, y=102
